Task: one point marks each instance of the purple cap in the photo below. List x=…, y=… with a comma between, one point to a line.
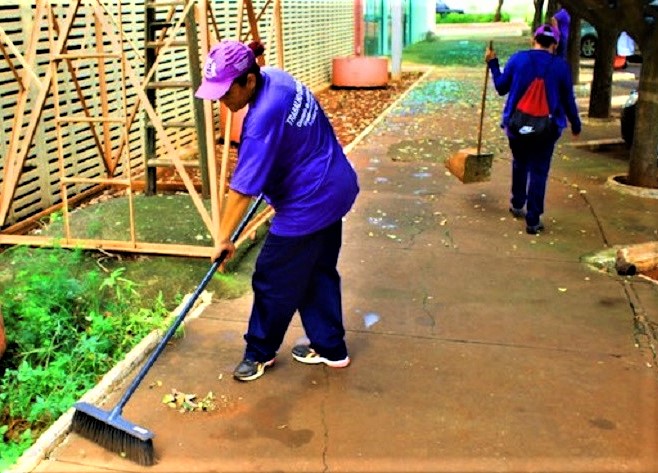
x=548, y=31
x=226, y=61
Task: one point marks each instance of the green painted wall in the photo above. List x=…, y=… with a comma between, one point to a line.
x=377, y=19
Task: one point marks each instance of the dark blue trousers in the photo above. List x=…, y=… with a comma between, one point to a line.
x=530, y=166
x=298, y=274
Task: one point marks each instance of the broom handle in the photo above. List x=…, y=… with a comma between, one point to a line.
x=484, y=98
x=179, y=318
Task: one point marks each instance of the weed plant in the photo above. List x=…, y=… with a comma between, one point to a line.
x=67, y=324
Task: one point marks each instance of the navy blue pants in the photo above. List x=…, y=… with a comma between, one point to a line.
x=298, y=274
x=530, y=165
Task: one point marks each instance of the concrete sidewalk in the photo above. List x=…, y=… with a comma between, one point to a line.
x=481, y=30
x=476, y=347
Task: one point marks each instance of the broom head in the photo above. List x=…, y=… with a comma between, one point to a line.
x=469, y=165
x=114, y=433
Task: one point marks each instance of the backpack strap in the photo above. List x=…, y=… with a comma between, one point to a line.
x=542, y=76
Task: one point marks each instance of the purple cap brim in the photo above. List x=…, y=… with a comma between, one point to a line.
x=209, y=90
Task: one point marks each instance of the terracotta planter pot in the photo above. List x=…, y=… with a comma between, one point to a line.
x=359, y=71
x=3, y=339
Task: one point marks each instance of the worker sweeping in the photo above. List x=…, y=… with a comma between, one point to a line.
x=540, y=80
x=289, y=153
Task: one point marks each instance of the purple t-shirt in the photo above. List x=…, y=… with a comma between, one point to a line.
x=289, y=152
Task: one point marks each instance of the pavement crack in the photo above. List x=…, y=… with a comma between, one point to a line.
x=645, y=332
x=464, y=341
x=583, y=195
x=428, y=313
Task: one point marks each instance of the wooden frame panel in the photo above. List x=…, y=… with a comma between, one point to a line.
x=30, y=176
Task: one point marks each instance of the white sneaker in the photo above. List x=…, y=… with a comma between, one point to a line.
x=306, y=354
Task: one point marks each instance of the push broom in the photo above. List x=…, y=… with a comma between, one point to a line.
x=107, y=428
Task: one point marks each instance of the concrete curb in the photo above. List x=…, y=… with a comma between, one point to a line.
x=350, y=146
x=644, y=192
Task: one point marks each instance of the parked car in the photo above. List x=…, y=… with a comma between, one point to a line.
x=588, y=39
x=443, y=9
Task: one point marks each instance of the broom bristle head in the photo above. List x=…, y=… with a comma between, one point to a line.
x=114, y=434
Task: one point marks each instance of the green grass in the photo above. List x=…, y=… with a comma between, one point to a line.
x=470, y=18
x=461, y=53
x=173, y=276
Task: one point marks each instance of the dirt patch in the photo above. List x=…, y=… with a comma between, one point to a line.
x=351, y=110
x=651, y=274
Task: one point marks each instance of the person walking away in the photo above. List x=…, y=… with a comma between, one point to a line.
x=561, y=21
x=531, y=157
x=288, y=152
x=625, y=48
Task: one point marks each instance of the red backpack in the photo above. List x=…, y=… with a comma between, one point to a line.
x=532, y=117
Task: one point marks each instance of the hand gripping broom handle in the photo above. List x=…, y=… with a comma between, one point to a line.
x=179, y=319
x=484, y=99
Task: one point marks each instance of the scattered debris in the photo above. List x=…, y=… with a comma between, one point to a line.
x=189, y=402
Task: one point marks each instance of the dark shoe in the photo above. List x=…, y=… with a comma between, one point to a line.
x=249, y=370
x=306, y=354
x=518, y=213
x=534, y=229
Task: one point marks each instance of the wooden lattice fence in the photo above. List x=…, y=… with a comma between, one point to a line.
x=314, y=32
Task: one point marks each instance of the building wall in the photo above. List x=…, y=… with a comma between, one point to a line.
x=314, y=32
x=417, y=18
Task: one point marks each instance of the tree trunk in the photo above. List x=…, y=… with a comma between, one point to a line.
x=573, y=48
x=601, y=93
x=551, y=9
x=643, y=167
x=637, y=18
x=539, y=12
x=499, y=9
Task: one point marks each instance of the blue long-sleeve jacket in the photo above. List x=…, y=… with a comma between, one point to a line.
x=521, y=68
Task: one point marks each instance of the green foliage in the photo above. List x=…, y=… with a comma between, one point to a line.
x=470, y=18
x=233, y=285
x=11, y=451
x=67, y=324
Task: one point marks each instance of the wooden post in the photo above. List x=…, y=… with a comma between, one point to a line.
x=279, y=33
x=197, y=104
x=216, y=197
